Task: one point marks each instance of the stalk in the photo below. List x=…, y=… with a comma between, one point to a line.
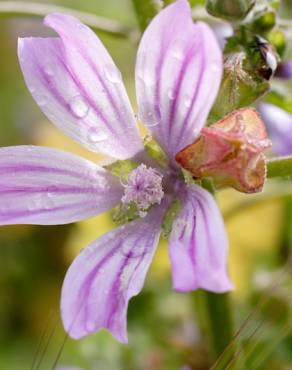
x=33, y=9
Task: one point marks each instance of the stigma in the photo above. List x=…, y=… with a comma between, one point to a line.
x=143, y=188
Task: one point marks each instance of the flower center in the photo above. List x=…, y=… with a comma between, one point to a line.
x=143, y=188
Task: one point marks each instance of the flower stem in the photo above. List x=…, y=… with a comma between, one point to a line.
x=280, y=167
x=219, y=321
x=145, y=11
x=217, y=313
x=109, y=26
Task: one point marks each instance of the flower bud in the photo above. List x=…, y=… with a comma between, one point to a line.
x=230, y=152
x=263, y=21
x=278, y=40
x=229, y=9
x=241, y=85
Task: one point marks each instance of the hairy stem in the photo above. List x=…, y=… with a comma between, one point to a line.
x=280, y=167
x=33, y=9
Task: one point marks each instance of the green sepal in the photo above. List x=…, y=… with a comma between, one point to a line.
x=155, y=151
x=169, y=217
x=122, y=169
x=123, y=214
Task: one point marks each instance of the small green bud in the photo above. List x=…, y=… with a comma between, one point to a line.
x=263, y=21
x=229, y=9
x=277, y=38
x=241, y=85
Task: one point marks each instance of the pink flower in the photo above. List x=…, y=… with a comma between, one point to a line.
x=76, y=84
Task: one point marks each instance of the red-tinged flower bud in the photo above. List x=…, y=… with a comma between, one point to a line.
x=230, y=151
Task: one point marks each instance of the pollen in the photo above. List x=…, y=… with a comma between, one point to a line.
x=143, y=188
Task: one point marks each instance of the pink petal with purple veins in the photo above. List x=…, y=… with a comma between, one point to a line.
x=103, y=278
x=48, y=187
x=178, y=73
x=198, y=244
x=77, y=85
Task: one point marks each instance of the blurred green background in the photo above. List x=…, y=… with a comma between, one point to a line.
x=163, y=331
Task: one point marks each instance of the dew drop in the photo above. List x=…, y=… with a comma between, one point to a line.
x=151, y=120
x=49, y=72
x=78, y=106
x=131, y=250
x=112, y=74
x=214, y=67
x=177, y=50
x=52, y=190
x=171, y=94
x=102, y=183
x=187, y=101
x=41, y=100
x=96, y=135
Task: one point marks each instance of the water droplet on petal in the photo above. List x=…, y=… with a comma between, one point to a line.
x=187, y=101
x=49, y=72
x=151, y=120
x=177, y=49
x=171, y=94
x=102, y=183
x=112, y=74
x=52, y=190
x=41, y=100
x=78, y=106
x=96, y=135
x=214, y=67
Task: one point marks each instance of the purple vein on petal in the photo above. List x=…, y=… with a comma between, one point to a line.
x=59, y=97
x=184, y=124
x=177, y=91
x=19, y=213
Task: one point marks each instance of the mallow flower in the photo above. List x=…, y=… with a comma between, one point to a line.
x=78, y=87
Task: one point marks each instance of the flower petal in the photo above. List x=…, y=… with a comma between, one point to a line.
x=198, y=244
x=77, y=85
x=48, y=187
x=103, y=278
x=279, y=125
x=178, y=72
x=284, y=70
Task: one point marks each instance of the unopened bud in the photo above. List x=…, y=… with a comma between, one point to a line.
x=278, y=40
x=263, y=21
x=229, y=9
x=241, y=85
x=230, y=152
